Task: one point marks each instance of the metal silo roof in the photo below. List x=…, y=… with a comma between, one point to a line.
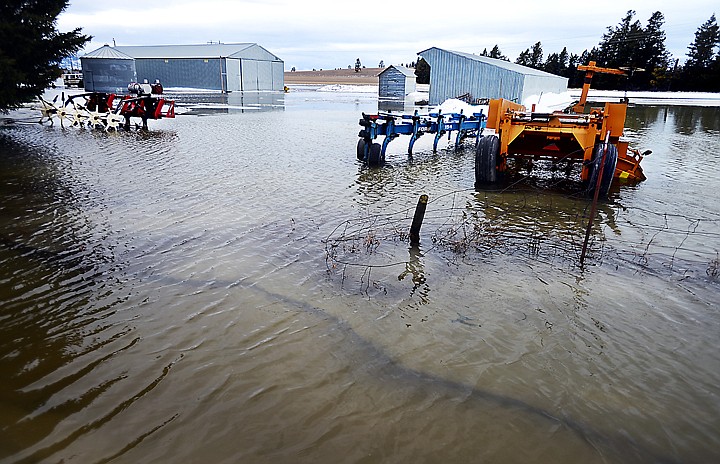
x=108, y=52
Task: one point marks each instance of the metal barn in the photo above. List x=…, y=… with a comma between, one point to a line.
x=453, y=74
x=222, y=67
x=108, y=70
x=396, y=82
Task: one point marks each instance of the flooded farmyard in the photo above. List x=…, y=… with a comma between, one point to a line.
x=234, y=285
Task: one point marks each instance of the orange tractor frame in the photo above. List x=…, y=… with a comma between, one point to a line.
x=576, y=135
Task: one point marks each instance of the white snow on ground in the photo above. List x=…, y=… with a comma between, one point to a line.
x=454, y=105
x=654, y=98
x=421, y=93
x=548, y=102
x=349, y=88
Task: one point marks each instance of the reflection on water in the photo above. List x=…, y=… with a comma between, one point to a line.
x=239, y=288
x=232, y=102
x=406, y=105
x=690, y=120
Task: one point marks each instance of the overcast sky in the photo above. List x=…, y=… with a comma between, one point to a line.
x=328, y=34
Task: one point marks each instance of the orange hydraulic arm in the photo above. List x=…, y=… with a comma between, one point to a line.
x=590, y=70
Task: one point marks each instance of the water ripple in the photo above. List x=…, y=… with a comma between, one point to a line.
x=168, y=295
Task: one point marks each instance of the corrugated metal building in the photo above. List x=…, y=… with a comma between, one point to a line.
x=108, y=70
x=453, y=74
x=396, y=82
x=223, y=67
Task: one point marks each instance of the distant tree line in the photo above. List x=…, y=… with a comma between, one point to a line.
x=638, y=49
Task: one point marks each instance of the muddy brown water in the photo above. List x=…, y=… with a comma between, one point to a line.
x=234, y=286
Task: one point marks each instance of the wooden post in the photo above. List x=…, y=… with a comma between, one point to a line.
x=418, y=219
x=593, y=209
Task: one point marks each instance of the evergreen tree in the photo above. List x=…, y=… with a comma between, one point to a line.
x=653, y=55
x=552, y=64
x=536, y=56
x=618, y=44
x=640, y=50
x=564, y=59
x=700, y=72
x=557, y=63
x=575, y=77
x=715, y=75
x=588, y=56
x=524, y=58
x=571, y=71
x=496, y=53
x=702, y=51
x=422, y=71
x=31, y=49
x=617, y=49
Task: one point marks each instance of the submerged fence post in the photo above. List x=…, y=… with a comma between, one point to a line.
x=418, y=219
x=593, y=209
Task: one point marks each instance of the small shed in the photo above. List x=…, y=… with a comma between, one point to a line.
x=108, y=70
x=396, y=82
x=453, y=74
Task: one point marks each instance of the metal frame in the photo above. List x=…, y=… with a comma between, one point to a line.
x=416, y=125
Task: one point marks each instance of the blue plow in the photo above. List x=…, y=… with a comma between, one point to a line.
x=415, y=125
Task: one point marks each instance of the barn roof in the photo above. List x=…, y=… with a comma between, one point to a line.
x=495, y=62
x=233, y=50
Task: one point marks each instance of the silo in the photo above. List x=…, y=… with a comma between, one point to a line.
x=108, y=70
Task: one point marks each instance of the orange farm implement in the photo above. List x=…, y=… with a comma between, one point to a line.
x=588, y=136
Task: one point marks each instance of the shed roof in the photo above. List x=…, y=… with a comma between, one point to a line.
x=495, y=62
x=106, y=51
x=406, y=71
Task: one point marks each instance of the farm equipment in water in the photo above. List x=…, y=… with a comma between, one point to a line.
x=108, y=110
x=393, y=125
x=590, y=136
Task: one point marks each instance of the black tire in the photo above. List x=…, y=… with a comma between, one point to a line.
x=608, y=169
x=361, y=149
x=375, y=155
x=486, y=157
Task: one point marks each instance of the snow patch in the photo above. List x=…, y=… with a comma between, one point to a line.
x=349, y=88
x=549, y=102
x=453, y=105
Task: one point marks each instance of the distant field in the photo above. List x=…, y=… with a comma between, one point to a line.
x=366, y=76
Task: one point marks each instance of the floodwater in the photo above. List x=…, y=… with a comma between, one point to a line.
x=234, y=286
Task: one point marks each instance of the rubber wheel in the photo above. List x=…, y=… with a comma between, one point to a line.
x=374, y=155
x=361, y=149
x=486, y=156
x=608, y=169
